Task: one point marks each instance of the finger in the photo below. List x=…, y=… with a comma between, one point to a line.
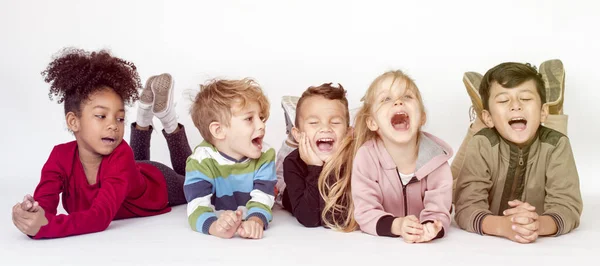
x=241, y=231
x=412, y=218
x=260, y=233
x=528, y=214
x=254, y=230
x=413, y=224
x=239, y=214
x=513, y=211
x=532, y=226
x=411, y=238
x=527, y=206
x=229, y=220
x=438, y=225
x=413, y=231
x=533, y=237
x=522, y=220
x=521, y=239
x=36, y=207
x=521, y=230
x=514, y=203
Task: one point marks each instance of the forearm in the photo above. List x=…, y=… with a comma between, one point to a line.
x=547, y=226
x=496, y=226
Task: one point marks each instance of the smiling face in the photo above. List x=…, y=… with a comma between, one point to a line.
x=244, y=135
x=516, y=113
x=396, y=113
x=99, y=128
x=325, y=124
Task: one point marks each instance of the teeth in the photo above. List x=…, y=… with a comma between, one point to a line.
x=517, y=119
x=326, y=140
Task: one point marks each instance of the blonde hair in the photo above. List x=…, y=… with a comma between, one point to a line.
x=216, y=98
x=335, y=179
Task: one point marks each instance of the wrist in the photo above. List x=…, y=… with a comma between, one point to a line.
x=256, y=219
x=396, y=226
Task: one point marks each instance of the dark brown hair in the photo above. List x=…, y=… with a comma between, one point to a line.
x=510, y=75
x=328, y=92
x=75, y=74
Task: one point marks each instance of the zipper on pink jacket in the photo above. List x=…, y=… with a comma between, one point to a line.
x=404, y=190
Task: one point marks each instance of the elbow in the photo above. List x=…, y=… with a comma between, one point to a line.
x=309, y=222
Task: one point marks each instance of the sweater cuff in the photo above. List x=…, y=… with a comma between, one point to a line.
x=384, y=226
x=560, y=224
x=206, y=225
x=478, y=221
x=261, y=217
x=440, y=234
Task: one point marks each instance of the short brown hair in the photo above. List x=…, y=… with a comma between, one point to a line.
x=328, y=92
x=510, y=75
x=216, y=98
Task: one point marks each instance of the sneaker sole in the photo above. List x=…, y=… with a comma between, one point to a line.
x=169, y=97
x=472, y=80
x=147, y=99
x=553, y=74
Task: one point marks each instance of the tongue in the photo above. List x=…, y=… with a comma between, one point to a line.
x=518, y=126
x=401, y=126
x=325, y=146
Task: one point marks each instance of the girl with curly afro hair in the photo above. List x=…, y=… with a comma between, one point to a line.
x=102, y=178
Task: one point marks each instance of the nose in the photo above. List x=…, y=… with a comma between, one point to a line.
x=260, y=124
x=516, y=106
x=326, y=129
x=398, y=102
x=112, y=125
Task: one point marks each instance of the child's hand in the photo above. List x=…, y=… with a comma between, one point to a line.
x=408, y=227
x=251, y=228
x=226, y=225
x=29, y=204
x=307, y=154
x=29, y=222
x=430, y=231
x=524, y=222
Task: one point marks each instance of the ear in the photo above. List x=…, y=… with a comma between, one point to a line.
x=371, y=124
x=487, y=118
x=423, y=118
x=544, y=113
x=72, y=122
x=296, y=134
x=217, y=130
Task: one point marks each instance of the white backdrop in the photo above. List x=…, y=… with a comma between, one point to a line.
x=287, y=46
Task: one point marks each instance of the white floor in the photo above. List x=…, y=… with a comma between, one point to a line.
x=167, y=239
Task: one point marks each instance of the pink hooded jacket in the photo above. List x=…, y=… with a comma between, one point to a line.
x=379, y=196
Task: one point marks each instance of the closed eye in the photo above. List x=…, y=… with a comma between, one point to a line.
x=386, y=99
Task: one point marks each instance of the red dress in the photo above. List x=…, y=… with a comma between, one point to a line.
x=123, y=189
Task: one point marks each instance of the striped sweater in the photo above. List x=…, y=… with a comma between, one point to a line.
x=215, y=182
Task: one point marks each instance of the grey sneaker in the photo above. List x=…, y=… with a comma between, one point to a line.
x=162, y=87
x=147, y=96
x=553, y=74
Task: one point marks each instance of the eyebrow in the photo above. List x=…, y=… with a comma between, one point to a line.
x=106, y=108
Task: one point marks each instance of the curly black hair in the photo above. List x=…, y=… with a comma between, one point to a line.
x=75, y=74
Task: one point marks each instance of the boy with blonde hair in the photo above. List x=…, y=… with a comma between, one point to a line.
x=230, y=172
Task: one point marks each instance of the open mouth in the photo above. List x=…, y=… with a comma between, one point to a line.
x=518, y=123
x=400, y=121
x=325, y=144
x=258, y=142
x=108, y=140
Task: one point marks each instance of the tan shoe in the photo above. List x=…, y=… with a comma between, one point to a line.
x=553, y=74
x=472, y=80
